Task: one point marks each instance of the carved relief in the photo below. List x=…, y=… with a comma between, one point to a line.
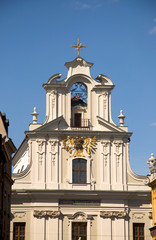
x=113, y=214
x=53, y=97
x=138, y=215
x=104, y=104
x=51, y=214
x=105, y=94
x=40, y=145
x=41, y=152
x=105, y=151
x=80, y=217
x=79, y=144
x=19, y=214
x=53, y=151
x=118, y=152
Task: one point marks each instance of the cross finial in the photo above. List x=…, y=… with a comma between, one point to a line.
x=78, y=46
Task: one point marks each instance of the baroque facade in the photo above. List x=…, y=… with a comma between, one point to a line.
x=72, y=178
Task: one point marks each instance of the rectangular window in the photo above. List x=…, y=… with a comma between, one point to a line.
x=79, y=167
x=138, y=231
x=19, y=231
x=79, y=231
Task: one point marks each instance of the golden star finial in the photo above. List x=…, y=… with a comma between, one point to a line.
x=78, y=46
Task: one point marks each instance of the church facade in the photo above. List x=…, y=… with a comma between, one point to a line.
x=72, y=178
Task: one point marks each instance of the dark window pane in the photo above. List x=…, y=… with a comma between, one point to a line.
x=75, y=164
x=83, y=229
x=82, y=177
x=75, y=177
x=19, y=231
x=79, y=230
x=83, y=164
x=138, y=231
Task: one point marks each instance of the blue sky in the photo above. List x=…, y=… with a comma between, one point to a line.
x=120, y=35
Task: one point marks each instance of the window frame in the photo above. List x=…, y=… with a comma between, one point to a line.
x=80, y=217
x=79, y=171
x=138, y=226
x=79, y=232
x=19, y=235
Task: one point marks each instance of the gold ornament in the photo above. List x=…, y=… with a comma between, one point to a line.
x=79, y=144
x=78, y=46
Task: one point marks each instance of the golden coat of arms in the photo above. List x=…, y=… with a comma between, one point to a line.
x=79, y=144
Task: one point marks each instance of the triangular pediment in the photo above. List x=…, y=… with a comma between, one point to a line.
x=56, y=124
x=107, y=126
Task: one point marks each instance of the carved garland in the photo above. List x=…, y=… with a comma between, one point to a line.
x=113, y=214
x=51, y=214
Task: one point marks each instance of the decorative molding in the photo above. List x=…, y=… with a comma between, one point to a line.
x=40, y=145
x=41, y=151
x=19, y=214
x=53, y=94
x=138, y=216
x=104, y=104
x=106, y=153
x=79, y=216
x=105, y=94
x=113, y=214
x=118, y=152
x=51, y=214
x=53, y=151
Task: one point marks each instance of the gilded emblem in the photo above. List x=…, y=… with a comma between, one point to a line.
x=79, y=145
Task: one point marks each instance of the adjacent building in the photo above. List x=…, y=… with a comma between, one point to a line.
x=152, y=184
x=7, y=148
x=72, y=177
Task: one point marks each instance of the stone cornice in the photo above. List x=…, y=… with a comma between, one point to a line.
x=49, y=194
x=78, y=132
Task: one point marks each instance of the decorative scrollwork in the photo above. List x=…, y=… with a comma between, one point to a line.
x=79, y=90
x=51, y=214
x=113, y=214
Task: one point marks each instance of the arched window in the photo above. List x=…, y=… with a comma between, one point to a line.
x=79, y=92
x=79, y=105
x=79, y=170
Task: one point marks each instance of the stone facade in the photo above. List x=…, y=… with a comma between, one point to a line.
x=72, y=172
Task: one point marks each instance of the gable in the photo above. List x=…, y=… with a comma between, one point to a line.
x=56, y=124
x=107, y=126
